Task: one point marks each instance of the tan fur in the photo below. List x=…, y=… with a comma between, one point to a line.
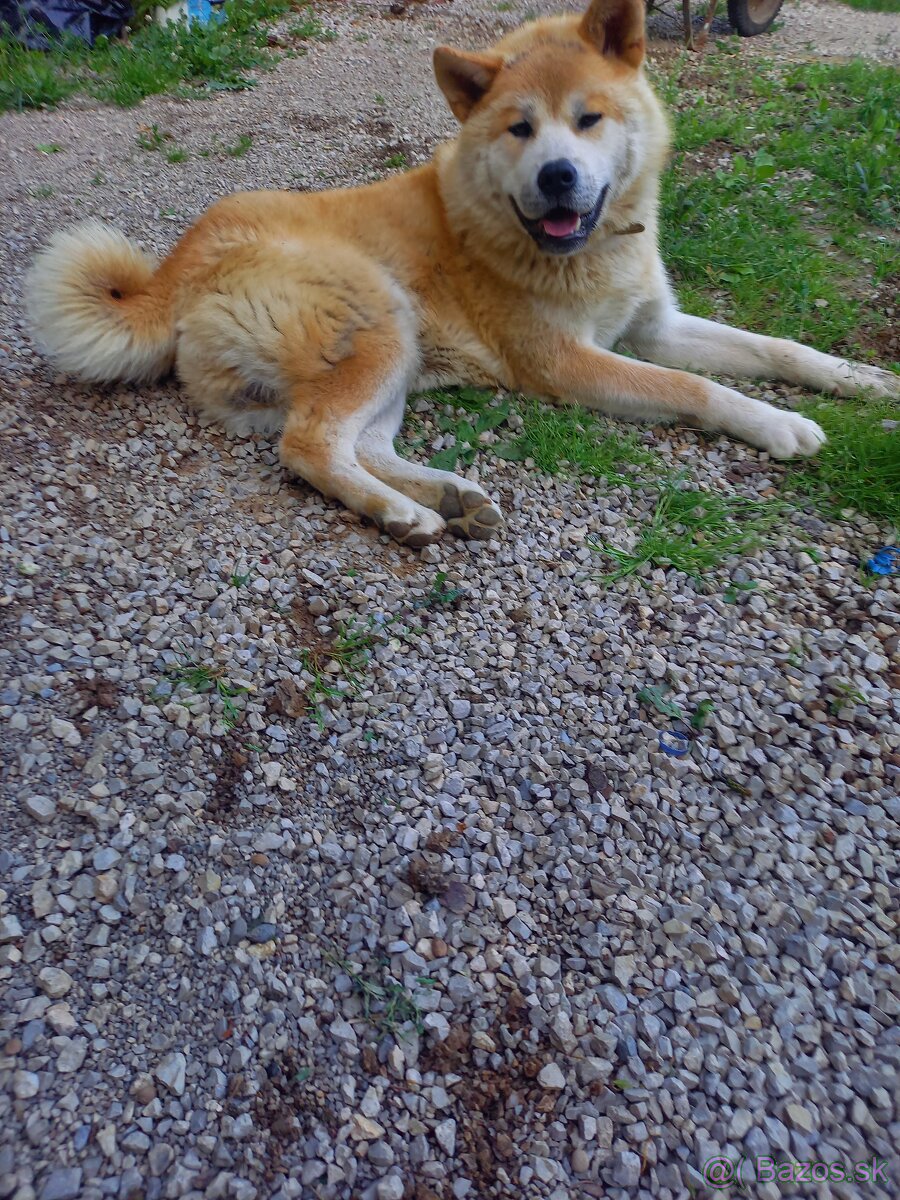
x=316, y=314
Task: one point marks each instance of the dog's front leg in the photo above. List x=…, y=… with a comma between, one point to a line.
x=623, y=387
x=664, y=335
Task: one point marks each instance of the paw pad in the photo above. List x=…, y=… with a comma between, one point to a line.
x=470, y=514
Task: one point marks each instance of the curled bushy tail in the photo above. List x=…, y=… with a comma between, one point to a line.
x=93, y=307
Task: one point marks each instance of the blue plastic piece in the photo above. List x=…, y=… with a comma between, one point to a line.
x=674, y=743
x=885, y=562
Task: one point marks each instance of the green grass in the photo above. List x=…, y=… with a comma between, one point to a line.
x=859, y=466
x=772, y=239
x=174, y=58
x=310, y=28
x=554, y=439
x=439, y=595
x=694, y=531
x=397, y=161
x=886, y=6
x=386, y=1003
x=845, y=695
x=200, y=678
x=240, y=147
x=237, y=578
x=339, y=671
x=480, y=415
x=574, y=440
x=152, y=138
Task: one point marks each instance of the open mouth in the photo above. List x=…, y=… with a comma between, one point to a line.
x=562, y=230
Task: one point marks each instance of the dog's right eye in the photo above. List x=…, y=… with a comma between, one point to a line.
x=521, y=129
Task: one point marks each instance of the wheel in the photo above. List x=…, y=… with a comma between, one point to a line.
x=750, y=17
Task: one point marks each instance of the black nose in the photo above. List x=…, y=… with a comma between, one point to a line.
x=555, y=178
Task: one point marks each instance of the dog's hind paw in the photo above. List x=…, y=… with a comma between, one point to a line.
x=470, y=514
x=420, y=528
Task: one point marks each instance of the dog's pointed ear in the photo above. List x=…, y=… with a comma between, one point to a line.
x=616, y=28
x=464, y=78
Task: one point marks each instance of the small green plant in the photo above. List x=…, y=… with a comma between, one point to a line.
x=201, y=678
x=153, y=138
x=387, y=1004
x=701, y=714
x=44, y=192
x=98, y=179
x=467, y=431
x=397, y=161
x=844, y=695
x=309, y=27
x=240, y=147
x=439, y=595
x=379, y=99
x=237, y=579
x=338, y=672
x=49, y=148
x=694, y=531
x=177, y=155
x=738, y=588
x=797, y=654
x=655, y=696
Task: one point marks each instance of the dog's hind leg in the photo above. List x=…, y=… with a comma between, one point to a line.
x=320, y=443
x=322, y=339
x=662, y=334
x=468, y=511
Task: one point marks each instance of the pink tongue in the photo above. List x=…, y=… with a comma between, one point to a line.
x=562, y=226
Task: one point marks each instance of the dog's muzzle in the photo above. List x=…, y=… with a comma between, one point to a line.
x=562, y=230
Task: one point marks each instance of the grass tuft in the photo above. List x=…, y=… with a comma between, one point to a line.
x=859, y=466
x=339, y=671
x=201, y=678
x=572, y=439
x=694, y=531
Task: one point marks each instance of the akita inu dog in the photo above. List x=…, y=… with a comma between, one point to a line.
x=516, y=259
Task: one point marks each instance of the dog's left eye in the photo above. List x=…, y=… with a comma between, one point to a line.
x=588, y=120
x=521, y=129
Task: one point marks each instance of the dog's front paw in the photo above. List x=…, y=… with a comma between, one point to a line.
x=863, y=379
x=788, y=435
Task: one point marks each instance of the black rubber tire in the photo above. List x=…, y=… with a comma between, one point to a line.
x=750, y=17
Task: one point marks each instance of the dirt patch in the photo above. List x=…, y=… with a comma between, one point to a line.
x=288, y=1107
x=499, y=1112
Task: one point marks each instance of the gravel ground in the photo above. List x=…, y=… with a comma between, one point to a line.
x=587, y=967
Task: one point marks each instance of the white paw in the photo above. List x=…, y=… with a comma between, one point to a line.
x=414, y=525
x=872, y=381
x=787, y=435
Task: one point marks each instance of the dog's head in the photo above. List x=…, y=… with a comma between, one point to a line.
x=549, y=120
